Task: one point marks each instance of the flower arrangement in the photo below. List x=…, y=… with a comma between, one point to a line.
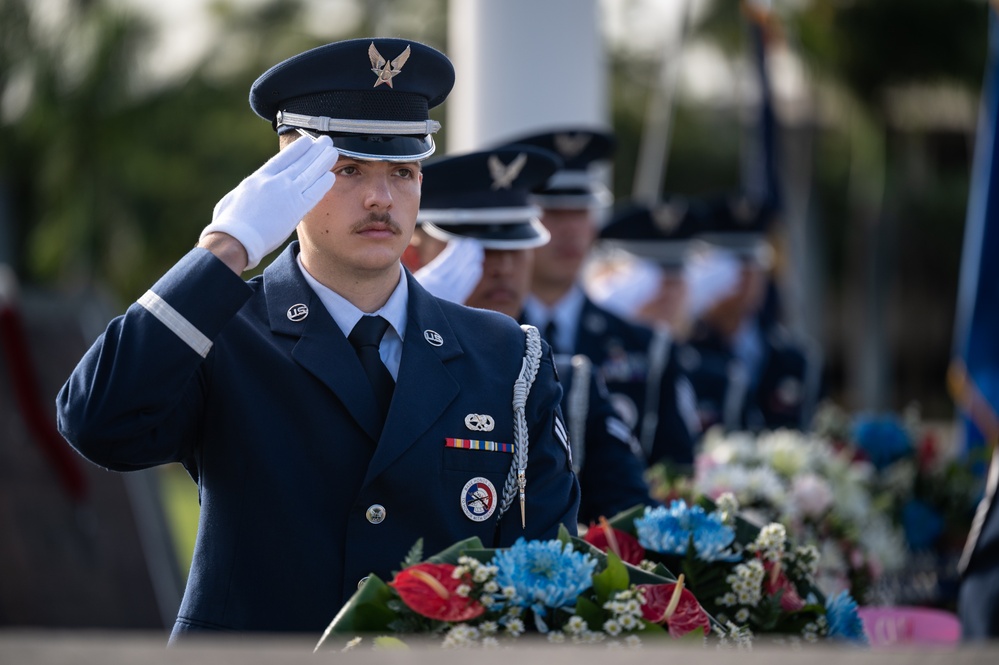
x=752, y=579
x=929, y=490
x=565, y=590
x=820, y=493
x=922, y=485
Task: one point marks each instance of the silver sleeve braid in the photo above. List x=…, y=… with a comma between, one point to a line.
x=521, y=390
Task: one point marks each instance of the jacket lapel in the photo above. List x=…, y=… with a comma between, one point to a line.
x=425, y=387
x=294, y=309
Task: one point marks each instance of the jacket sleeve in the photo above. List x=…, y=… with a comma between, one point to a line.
x=136, y=397
x=552, y=490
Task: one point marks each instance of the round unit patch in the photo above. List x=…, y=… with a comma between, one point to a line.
x=478, y=499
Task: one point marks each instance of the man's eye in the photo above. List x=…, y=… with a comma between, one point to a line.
x=348, y=170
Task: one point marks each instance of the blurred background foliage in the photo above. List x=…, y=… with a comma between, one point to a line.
x=107, y=175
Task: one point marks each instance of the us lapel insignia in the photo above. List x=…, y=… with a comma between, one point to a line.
x=433, y=338
x=478, y=499
x=298, y=312
x=479, y=422
x=386, y=70
x=502, y=174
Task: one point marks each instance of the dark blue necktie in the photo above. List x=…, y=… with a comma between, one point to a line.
x=551, y=330
x=365, y=338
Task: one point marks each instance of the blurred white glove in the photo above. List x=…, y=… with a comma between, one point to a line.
x=711, y=275
x=455, y=272
x=266, y=207
x=625, y=286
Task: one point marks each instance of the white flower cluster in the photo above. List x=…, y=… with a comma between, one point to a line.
x=626, y=612
x=746, y=583
x=731, y=635
x=770, y=543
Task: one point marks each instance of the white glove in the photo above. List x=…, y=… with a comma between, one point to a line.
x=711, y=275
x=455, y=272
x=625, y=285
x=266, y=207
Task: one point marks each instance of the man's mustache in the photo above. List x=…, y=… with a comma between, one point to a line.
x=374, y=218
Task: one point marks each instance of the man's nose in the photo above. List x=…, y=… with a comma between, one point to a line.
x=378, y=194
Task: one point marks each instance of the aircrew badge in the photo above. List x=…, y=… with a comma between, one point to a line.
x=478, y=499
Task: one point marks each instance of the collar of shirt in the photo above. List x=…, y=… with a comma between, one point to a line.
x=565, y=313
x=347, y=315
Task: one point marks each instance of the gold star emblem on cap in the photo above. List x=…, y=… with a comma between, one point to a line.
x=386, y=70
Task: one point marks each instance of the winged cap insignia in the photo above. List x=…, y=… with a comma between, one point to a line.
x=386, y=70
x=668, y=217
x=502, y=174
x=570, y=145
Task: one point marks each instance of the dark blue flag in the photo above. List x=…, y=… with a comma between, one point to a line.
x=974, y=376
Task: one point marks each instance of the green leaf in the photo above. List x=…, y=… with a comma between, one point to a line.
x=613, y=578
x=365, y=612
x=451, y=554
x=590, y=612
x=389, y=643
x=625, y=520
x=563, y=534
x=415, y=554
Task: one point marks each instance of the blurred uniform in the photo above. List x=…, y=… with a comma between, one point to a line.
x=747, y=370
x=661, y=237
x=482, y=198
x=623, y=353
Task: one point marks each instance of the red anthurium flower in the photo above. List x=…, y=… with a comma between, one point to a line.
x=607, y=538
x=775, y=582
x=675, y=606
x=429, y=589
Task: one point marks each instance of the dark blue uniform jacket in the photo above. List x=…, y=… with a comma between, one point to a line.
x=620, y=353
x=273, y=428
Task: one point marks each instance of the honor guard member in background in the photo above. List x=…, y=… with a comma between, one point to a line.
x=482, y=198
x=662, y=237
x=747, y=371
x=574, y=202
x=326, y=407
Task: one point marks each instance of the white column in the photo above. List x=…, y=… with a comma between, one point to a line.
x=521, y=66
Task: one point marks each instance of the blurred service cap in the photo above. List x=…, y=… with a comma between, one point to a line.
x=577, y=184
x=372, y=96
x=486, y=195
x=665, y=233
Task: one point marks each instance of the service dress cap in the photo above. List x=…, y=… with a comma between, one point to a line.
x=372, y=96
x=737, y=224
x=665, y=233
x=486, y=196
x=575, y=185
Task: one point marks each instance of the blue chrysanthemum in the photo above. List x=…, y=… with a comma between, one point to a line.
x=671, y=531
x=922, y=524
x=844, y=621
x=543, y=574
x=883, y=439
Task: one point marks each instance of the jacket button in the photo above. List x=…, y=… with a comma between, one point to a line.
x=361, y=582
x=376, y=513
